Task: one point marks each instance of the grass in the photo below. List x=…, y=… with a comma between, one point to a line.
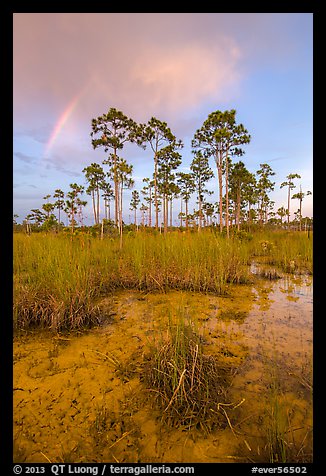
x=286, y=441
x=291, y=251
x=58, y=278
x=189, y=387
x=277, y=424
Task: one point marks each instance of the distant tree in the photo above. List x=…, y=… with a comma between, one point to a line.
x=37, y=216
x=201, y=174
x=282, y=212
x=220, y=137
x=72, y=202
x=143, y=210
x=50, y=223
x=95, y=177
x=59, y=203
x=107, y=195
x=174, y=192
x=147, y=192
x=251, y=195
x=159, y=136
x=48, y=208
x=168, y=160
x=300, y=196
x=264, y=186
x=80, y=204
x=123, y=173
x=186, y=185
x=208, y=209
x=289, y=183
x=239, y=179
x=135, y=200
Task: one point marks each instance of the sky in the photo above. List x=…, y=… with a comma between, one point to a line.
x=69, y=68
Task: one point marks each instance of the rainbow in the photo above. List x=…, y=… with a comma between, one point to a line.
x=62, y=121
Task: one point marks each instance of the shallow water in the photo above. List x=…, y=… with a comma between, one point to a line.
x=81, y=398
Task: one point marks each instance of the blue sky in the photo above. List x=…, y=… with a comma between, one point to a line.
x=176, y=67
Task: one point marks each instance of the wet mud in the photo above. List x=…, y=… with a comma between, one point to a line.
x=82, y=398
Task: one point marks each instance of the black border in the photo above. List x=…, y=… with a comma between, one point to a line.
x=6, y=333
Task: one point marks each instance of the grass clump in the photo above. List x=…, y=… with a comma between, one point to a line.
x=189, y=386
x=54, y=284
x=286, y=433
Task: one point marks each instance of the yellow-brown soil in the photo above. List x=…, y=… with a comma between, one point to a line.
x=81, y=397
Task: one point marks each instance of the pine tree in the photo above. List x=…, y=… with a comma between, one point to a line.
x=201, y=173
x=220, y=137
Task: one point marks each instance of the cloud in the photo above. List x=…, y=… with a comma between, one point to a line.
x=25, y=158
x=157, y=63
x=55, y=164
x=184, y=76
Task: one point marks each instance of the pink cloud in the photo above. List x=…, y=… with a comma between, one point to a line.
x=134, y=61
x=184, y=76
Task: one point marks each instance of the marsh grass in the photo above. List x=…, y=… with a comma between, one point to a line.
x=277, y=424
x=285, y=441
x=188, y=386
x=291, y=251
x=58, y=278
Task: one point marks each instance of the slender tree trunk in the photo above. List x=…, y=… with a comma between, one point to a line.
x=120, y=213
x=238, y=209
x=187, y=220
x=98, y=205
x=249, y=216
x=94, y=209
x=181, y=212
x=116, y=187
x=155, y=189
x=165, y=213
x=289, y=208
x=72, y=219
x=227, y=194
x=218, y=160
x=150, y=207
x=200, y=221
x=171, y=223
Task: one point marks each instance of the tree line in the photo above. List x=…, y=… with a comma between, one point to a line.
x=245, y=197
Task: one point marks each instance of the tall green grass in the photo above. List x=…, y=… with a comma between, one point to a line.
x=291, y=251
x=54, y=283
x=188, y=386
x=57, y=278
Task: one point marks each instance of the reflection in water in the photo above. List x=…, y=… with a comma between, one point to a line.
x=276, y=376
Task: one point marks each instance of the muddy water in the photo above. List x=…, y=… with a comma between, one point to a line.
x=81, y=398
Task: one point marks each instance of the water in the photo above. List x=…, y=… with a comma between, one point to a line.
x=81, y=397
